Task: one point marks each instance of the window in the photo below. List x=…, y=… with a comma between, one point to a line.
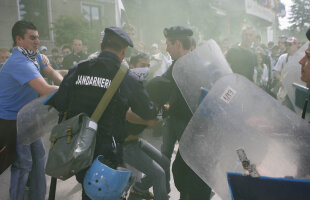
x=36, y=12
x=92, y=13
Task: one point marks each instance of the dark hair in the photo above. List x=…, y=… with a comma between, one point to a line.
x=185, y=41
x=114, y=42
x=134, y=59
x=20, y=28
x=65, y=46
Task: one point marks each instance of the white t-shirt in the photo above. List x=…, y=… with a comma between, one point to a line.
x=281, y=62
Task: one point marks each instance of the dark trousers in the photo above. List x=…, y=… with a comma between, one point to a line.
x=189, y=184
x=8, y=134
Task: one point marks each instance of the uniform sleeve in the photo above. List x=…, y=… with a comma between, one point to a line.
x=138, y=99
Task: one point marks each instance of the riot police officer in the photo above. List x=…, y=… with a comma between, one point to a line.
x=163, y=90
x=77, y=95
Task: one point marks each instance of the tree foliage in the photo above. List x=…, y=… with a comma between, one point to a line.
x=67, y=28
x=36, y=12
x=300, y=15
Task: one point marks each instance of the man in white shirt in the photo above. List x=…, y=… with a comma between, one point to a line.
x=292, y=47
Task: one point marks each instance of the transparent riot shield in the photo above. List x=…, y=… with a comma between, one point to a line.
x=291, y=74
x=35, y=120
x=237, y=114
x=199, y=68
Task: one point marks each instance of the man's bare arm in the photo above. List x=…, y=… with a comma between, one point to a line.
x=41, y=86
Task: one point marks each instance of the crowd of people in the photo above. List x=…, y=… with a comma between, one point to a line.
x=147, y=90
x=261, y=63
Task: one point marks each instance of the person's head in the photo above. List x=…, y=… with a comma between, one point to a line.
x=275, y=50
x=58, y=59
x=66, y=50
x=248, y=37
x=77, y=45
x=4, y=54
x=130, y=29
x=305, y=63
x=291, y=45
x=25, y=35
x=282, y=43
x=178, y=40
x=116, y=40
x=55, y=52
x=43, y=50
x=270, y=45
x=139, y=61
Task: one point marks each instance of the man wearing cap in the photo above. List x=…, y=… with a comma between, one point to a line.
x=43, y=50
x=163, y=90
x=84, y=97
x=292, y=47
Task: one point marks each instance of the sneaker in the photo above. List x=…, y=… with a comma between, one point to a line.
x=147, y=195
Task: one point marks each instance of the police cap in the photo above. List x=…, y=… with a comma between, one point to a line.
x=120, y=33
x=308, y=34
x=177, y=32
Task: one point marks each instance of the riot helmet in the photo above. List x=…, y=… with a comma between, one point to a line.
x=103, y=182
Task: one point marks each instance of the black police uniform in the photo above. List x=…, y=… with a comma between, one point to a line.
x=163, y=90
x=82, y=89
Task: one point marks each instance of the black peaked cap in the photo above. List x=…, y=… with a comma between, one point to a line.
x=120, y=33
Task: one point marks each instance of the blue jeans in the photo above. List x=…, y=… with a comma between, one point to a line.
x=154, y=173
x=30, y=164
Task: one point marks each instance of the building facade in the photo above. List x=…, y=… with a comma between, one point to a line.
x=43, y=14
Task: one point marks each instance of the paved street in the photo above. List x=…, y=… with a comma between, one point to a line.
x=70, y=189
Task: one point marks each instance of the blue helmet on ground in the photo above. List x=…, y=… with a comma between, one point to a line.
x=103, y=182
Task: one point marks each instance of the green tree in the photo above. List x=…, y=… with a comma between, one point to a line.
x=300, y=16
x=67, y=28
x=36, y=12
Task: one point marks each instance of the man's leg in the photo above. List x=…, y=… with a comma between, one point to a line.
x=20, y=172
x=154, y=174
x=169, y=140
x=189, y=184
x=37, y=174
